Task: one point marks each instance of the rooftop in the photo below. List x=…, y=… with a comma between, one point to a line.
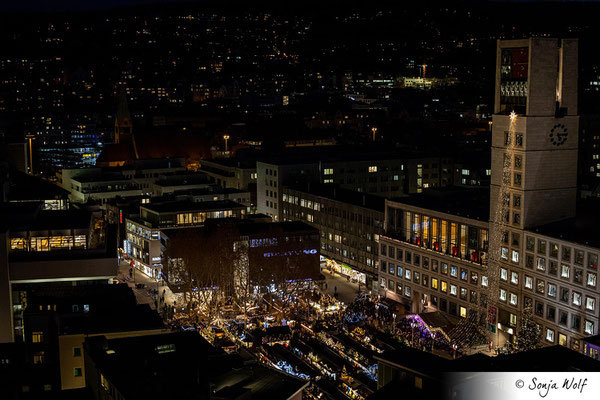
x=233, y=162
x=541, y=359
x=25, y=187
x=583, y=229
x=191, y=206
x=30, y=217
x=467, y=203
x=328, y=154
x=342, y=195
x=139, y=367
x=111, y=308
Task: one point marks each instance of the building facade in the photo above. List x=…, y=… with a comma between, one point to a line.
x=543, y=255
x=349, y=222
x=145, y=235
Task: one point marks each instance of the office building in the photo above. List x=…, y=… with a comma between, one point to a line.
x=539, y=247
x=349, y=222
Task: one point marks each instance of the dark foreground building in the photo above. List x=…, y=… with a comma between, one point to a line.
x=422, y=375
x=179, y=366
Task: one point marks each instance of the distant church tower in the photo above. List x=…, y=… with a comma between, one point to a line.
x=123, y=123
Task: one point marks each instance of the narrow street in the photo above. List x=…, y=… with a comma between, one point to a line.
x=347, y=290
x=144, y=296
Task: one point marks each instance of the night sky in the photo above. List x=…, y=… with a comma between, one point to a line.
x=86, y=5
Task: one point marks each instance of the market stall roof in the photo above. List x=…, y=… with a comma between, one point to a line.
x=440, y=320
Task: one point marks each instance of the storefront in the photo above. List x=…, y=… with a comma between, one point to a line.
x=345, y=270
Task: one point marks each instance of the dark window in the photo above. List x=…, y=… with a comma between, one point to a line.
x=550, y=313
x=575, y=322
x=564, y=294
x=539, y=309
x=563, y=317
x=452, y=308
x=443, y=304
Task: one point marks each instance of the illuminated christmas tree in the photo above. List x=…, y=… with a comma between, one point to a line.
x=529, y=332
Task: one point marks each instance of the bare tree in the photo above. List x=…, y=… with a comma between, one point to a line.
x=288, y=267
x=201, y=262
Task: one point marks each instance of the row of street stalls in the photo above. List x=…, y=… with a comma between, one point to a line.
x=439, y=332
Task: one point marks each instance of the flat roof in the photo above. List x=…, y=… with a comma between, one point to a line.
x=25, y=187
x=187, y=205
x=347, y=196
x=328, y=154
x=232, y=163
x=102, y=177
x=181, y=365
x=112, y=308
x=541, y=359
x=473, y=203
x=582, y=229
x=20, y=217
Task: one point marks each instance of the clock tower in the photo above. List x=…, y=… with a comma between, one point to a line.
x=534, y=132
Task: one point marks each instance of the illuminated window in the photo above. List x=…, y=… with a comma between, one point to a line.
x=328, y=171
x=515, y=256
x=590, y=303
x=589, y=327
x=502, y=295
x=463, y=312
x=453, y=290
x=514, y=278
x=503, y=274
x=37, y=337
x=484, y=281
x=418, y=382
x=38, y=358
x=565, y=271
x=549, y=335
x=591, y=279
x=577, y=299
x=444, y=287
x=103, y=382
x=18, y=244
x=434, y=283
x=77, y=372
x=373, y=168
x=513, y=299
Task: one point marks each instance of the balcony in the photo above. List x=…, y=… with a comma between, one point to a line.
x=477, y=257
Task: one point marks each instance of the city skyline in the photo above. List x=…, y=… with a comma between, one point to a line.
x=357, y=201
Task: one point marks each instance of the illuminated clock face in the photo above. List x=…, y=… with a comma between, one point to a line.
x=558, y=135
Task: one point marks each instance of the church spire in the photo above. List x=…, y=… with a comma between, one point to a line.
x=123, y=123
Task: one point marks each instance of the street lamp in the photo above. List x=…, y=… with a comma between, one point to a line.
x=374, y=130
x=226, y=137
x=394, y=327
